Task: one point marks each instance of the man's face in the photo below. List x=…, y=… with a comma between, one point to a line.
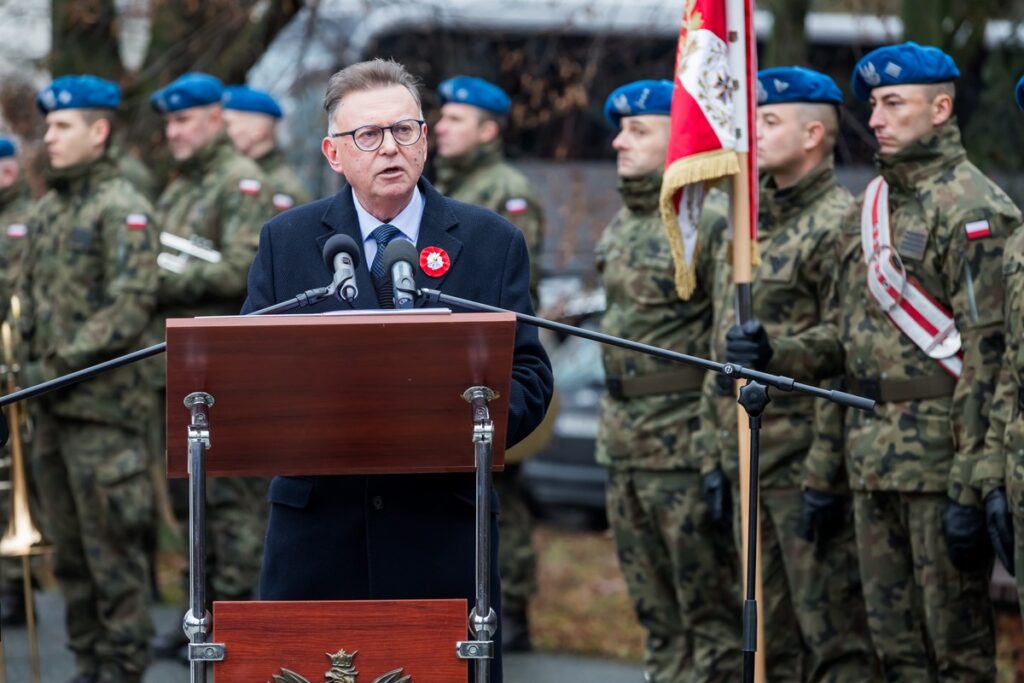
x=641, y=145
x=780, y=137
x=70, y=140
x=250, y=132
x=902, y=114
x=387, y=175
x=189, y=130
x=8, y=172
x=460, y=130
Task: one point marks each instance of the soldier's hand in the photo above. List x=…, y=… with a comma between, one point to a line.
x=714, y=487
x=966, y=537
x=1000, y=526
x=748, y=345
x=822, y=516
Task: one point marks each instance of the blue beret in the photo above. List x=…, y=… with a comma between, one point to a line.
x=902, y=64
x=79, y=92
x=190, y=90
x=1020, y=92
x=639, y=98
x=243, y=98
x=7, y=148
x=785, y=84
x=474, y=91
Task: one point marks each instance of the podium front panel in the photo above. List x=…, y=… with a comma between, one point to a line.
x=337, y=394
x=377, y=637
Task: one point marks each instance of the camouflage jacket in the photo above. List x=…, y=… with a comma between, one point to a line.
x=791, y=293
x=88, y=288
x=219, y=196
x=15, y=207
x=285, y=189
x=1004, y=443
x=652, y=431
x=484, y=178
x=929, y=444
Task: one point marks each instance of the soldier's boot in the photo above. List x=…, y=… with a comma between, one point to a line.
x=12, y=608
x=167, y=645
x=515, y=632
x=83, y=677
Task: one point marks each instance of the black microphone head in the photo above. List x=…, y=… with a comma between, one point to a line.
x=338, y=244
x=399, y=250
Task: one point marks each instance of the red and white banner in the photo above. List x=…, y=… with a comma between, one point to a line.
x=712, y=116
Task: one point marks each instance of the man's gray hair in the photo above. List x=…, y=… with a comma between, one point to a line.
x=369, y=75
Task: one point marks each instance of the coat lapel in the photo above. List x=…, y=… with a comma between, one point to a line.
x=341, y=217
x=438, y=219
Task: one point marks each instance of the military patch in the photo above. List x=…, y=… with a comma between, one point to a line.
x=17, y=230
x=137, y=221
x=913, y=244
x=516, y=206
x=283, y=201
x=978, y=229
x=250, y=186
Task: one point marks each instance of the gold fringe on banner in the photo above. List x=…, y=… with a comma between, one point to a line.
x=702, y=167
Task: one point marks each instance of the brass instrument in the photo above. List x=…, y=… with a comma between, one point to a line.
x=22, y=538
x=187, y=247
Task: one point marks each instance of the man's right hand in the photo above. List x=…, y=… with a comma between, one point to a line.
x=966, y=537
x=748, y=345
x=822, y=516
x=717, y=496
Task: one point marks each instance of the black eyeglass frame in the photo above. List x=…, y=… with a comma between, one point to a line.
x=353, y=132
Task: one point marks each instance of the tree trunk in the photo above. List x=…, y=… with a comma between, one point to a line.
x=788, y=43
x=84, y=39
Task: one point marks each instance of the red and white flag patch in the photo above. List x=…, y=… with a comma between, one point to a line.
x=250, y=186
x=137, y=221
x=977, y=229
x=283, y=201
x=516, y=206
x=16, y=231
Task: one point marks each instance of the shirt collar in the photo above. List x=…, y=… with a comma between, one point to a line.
x=408, y=221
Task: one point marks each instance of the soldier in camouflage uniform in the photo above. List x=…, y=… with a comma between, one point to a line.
x=924, y=554
x=15, y=205
x=1001, y=471
x=471, y=168
x=818, y=627
x=681, y=572
x=250, y=117
x=220, y=197
x=88, y=288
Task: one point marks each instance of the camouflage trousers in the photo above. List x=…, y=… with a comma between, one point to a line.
x=815, y=622
x=928, y=621
x=681, y=574
x=95, y=483
x=236, y=524
x=516, y=557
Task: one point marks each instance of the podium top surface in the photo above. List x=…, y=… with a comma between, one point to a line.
x=367, y=392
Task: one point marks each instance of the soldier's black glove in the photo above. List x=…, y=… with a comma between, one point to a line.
x=966, y=537
x=748, y=345
x=822, y=516
x=1000, y=526
x=714, y=487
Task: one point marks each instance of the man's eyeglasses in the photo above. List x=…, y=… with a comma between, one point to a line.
x=369, y=138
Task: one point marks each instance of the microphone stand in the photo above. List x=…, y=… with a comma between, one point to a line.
x=754, y=399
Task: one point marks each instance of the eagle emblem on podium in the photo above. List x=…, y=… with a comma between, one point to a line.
x=343, y=670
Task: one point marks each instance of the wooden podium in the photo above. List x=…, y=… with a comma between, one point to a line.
x=320, y=395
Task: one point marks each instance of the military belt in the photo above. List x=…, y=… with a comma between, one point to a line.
x=683, y=379
x=898, y=390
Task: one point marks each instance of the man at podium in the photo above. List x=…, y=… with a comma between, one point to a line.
x=390, y=536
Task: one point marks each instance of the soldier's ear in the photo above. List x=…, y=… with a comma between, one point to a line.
x=814, y=135
x=99, y=131
x=942, y=108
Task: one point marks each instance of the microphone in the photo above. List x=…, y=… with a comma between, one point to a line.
x=398, y=259
x=341, y=256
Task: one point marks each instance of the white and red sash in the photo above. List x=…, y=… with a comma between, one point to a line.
x=913, y=310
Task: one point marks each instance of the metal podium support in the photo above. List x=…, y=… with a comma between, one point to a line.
x=196, y=623
x=483, y=622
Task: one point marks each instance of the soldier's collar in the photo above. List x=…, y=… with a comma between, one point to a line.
x=641, y=194
x=76, y=179
x=923, y=158
x=812, y=185
x=198, y=163
x=482, y=155
x=19, y=188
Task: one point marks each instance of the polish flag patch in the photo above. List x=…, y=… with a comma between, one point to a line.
x=137, y=221
x=977, y=229
x=250, y=186
x=283, y=201
x=516, y=206
x=17, y=231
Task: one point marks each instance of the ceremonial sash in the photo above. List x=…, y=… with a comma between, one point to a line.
x=915, y=312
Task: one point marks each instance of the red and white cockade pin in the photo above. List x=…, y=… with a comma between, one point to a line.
x=434, y=261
